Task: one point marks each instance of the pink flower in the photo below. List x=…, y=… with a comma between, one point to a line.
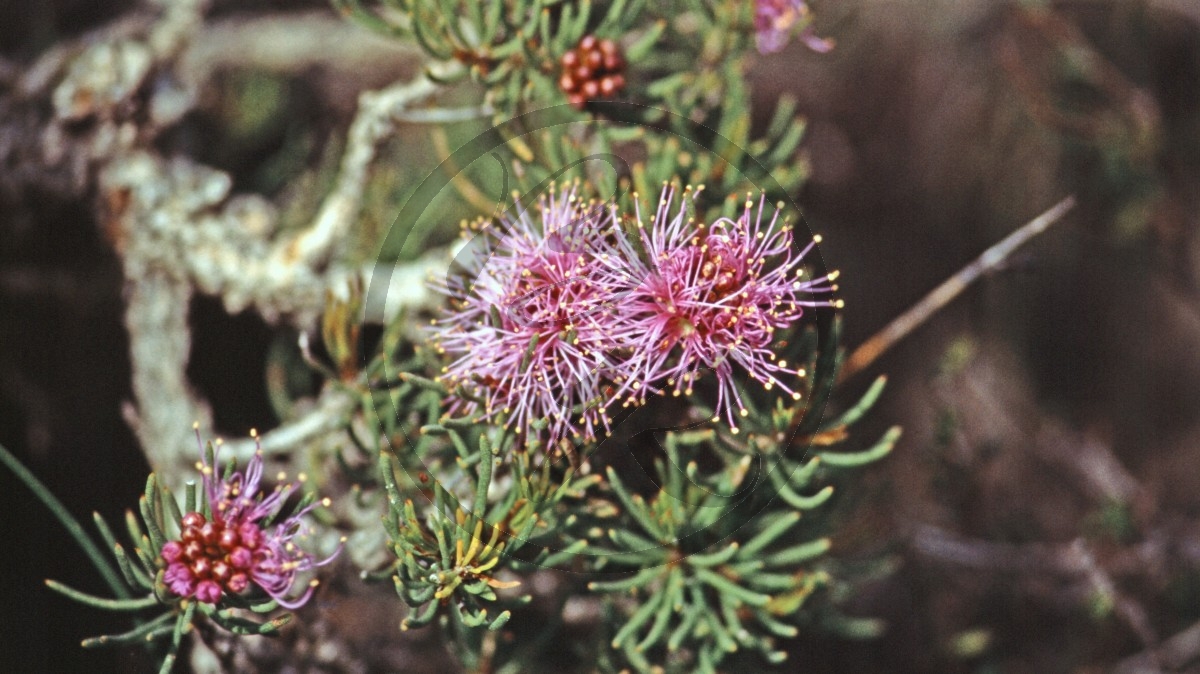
x=527, y=327
x=711, y=298
x=237, y=546
x=774, y=21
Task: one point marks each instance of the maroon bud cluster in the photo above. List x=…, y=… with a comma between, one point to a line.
x=592, y=70
x=212, y=558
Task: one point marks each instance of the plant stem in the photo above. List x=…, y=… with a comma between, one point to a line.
x=444, y=115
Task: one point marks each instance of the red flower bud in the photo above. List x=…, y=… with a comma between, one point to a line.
x=172, y=551
x=241, y=558
x=594, y=68
x=192, y=550
x=251, y=535
x=208, y=592
x=201, y=567
x=237, y=582
x=209, y=533
x=221, y=571
x=228, y=539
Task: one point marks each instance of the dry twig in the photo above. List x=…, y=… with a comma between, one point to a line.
x=942, y=295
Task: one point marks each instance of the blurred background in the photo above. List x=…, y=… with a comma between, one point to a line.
x=1041, y=513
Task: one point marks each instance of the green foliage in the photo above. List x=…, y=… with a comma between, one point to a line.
x=724, y=560
x=461, y=565
x=715, y=561
x=702, y=588
x=511, y=47
x=450, y=556
x=684, y=117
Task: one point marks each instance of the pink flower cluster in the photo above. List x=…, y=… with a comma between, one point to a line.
x=774, y=21
x=528, y=324
x=712, y=298
x=237, y=546
x=560, y=316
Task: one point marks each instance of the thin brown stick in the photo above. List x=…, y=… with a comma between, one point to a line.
x=920, y=312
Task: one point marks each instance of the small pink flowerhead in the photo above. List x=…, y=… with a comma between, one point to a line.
x=774, y=21
x=526, y=329
x=239, y=545
x=712, y=298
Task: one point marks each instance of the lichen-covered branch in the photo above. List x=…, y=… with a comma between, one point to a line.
x=376, y=120
x=174, y=222
x=159, y=347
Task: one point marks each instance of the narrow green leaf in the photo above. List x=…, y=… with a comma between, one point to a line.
x=633, y=542
x=470, y=618
x=637, y=580
x=720, y=633
x=265, y=607
x=691, y=614
x=500, y=621
x=146, y=632
x=783, y=117
x=106, y=533
x=183, y=624
x=775, y=626
x=639, y=618
x=805, y=502
x=484, y=478
x=189, y=496
x=711, y=559
x=441, y=52
x=579, y=26
x=244, y=627
x=768, y=535
x=420, y=619
x=642, y=46
x=566, y=554
x=876, y=452
x=726, y=586
x=148, y=559
x=157, y=537
x=799, y=553
x=785, y=146
x=864, y=404
x=635, y=507
x=729, y=611
x=172, y=506
x=65, y=518
x=492, y=21
x=764, y=581
x=671, y=593
x=101, y=602
x=134, y=575
x=422, y=382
